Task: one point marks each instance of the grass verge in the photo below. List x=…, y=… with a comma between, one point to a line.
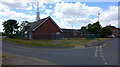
x=55, y=43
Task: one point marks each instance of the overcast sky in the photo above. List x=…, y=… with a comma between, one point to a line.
x=65, y=13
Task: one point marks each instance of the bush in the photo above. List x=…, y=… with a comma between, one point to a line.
x=105, y=32
x=4, y=34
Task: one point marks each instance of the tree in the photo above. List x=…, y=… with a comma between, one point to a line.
x=94, y=28
x=83, y=28
x=88, y=26
x=24, y=23
x=10, y=26
x=105, y=32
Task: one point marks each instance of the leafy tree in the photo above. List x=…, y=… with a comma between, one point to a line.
x=10, y=26
x=4, y=34
x=94, y=28
x=105, y=32
x=24, y=23
x=83, y=28
x=88, y=26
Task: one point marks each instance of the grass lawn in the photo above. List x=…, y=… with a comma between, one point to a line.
x=4, y=56
x=55, y=43
x=0, y=38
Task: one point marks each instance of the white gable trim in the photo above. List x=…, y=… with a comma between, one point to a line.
x=40, y=24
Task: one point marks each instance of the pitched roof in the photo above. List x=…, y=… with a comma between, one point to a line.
x=83, y=31
x=75, y=30
x=69, y=30
x=113, y=27
x=33, y=26
x=24, y=28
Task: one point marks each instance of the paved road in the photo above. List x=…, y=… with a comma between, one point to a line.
x=106, y=55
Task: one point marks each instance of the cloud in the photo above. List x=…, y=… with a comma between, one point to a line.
x=22, y=4
x=6, y=13
x=70, y=10
x=27, y=4
x=1, y=26
x=29, y=8
x=50, y=6
x=74, y=13
x=43, y=16
x=48, y=11
x=17, y=15
x=49, y=1
x=17, y=4
x=66, y=14
x=110, y=16
x=14, y=3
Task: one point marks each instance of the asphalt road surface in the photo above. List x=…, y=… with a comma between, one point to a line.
x=100, y=55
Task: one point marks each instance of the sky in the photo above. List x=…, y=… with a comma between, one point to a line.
x=65, y=13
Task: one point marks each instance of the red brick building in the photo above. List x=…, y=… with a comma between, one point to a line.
x=75, y=32
x=114, y=30
x=45, y=28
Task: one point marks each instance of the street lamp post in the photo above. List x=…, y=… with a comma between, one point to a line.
x=98, y=21
x=72, y=31
x=98, y=16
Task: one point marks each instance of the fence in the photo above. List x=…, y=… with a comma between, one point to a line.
x=46, y=36
x=36, y=36
x=14, y=35
x=92, y=36
x=88, y=36
x=52, y=36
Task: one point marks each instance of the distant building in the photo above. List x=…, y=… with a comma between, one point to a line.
x=83, y=32
x=75, y=32
x=114, y=30
x=69, y=32
x=118, y=32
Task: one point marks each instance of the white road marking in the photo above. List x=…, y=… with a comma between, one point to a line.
x=101, y=53
x=96, y=52
x=106, y=63
x=96, y=55
x=104, y=44
x=102, y=56
x=104, y=59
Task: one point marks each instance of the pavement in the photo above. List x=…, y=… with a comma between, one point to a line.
x=106, y=54
x=22, y=60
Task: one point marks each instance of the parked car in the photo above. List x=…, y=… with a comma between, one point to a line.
x=110, y=36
